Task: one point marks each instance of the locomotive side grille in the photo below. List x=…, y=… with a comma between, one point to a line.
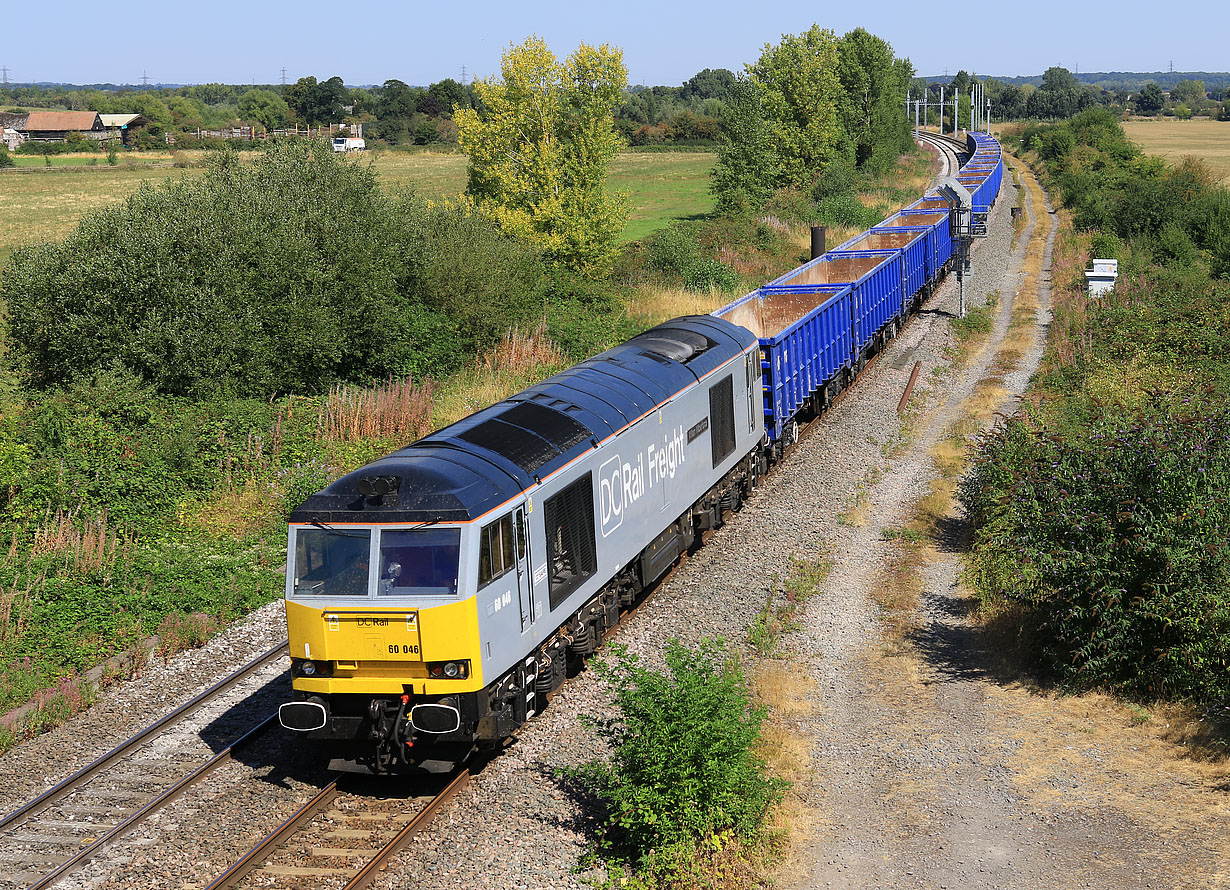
x=572, y=554
x=722, y=418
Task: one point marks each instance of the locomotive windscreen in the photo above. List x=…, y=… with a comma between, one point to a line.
x=332, y=562
x=337, y=562
x=419, y=561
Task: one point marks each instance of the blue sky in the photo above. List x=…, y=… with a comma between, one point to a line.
x=663, y=42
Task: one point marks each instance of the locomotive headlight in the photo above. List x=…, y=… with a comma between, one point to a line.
x=448, y=670
x=303, y=667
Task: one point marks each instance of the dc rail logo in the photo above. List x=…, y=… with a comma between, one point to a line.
x=622, y=483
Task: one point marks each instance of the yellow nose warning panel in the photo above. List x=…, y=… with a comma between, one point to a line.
x=373, y=635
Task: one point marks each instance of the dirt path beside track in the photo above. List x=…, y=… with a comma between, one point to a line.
x=931, y=765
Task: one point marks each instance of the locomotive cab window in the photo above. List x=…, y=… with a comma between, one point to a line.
x=332, y=562
x=419, y=562
x=495, y=553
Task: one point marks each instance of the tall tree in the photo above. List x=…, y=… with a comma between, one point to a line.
x=805, y=103
x=712, y=83
x=1151, y=99
x=265, y=107
x=542, y=146
x=875, y=83
x=746, y=166
x=397, y=100
x=1189, y=92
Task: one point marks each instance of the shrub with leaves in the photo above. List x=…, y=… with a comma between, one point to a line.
x=684, y=770
x=1117, y=545
x=674, y=253
x=284, y=275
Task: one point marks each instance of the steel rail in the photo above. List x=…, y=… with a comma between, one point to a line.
x=258, y=854
x=65, y=787
x=162, y=799
x=403, y=837
x=276, y=839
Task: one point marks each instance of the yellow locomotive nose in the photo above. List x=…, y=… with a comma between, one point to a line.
x=384, y=651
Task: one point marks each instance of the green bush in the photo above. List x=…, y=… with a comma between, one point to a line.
x=286, y=274
x=683, y=768
x=710, y=275
x=846, y=210
x=1115, y=543
x=1106, y=246
x=6, y=159
x=671, y=251
x=674, y=253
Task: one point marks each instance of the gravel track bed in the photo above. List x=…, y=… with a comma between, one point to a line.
x=516, y=825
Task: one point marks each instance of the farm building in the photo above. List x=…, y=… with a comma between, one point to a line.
x=54, y=126
x=122, y=126
x=9, y=135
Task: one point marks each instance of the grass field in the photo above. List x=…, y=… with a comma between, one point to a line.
x=1174, y=139
x=92, y=160
x=45, y=204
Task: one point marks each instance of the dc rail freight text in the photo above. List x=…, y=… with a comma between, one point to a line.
x=437, y=595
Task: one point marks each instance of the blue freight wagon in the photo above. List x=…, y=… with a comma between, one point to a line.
x=914, y=246
x=815, y=322
x=806, y=341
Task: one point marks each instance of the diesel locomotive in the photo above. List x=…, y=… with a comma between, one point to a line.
x=436, y=596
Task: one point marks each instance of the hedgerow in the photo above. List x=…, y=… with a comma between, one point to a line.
x=1101, y=512
x=1117, y=546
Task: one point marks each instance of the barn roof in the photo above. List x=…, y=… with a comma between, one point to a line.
x=41, y=121
x=120, y=120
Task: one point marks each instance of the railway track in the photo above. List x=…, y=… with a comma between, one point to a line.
x=339, y=835
x=70, y=823
x=951, y=151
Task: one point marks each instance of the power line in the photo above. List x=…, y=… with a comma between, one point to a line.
x=144, y=78
x=283, y=75
x=5, y=70
x=463, y=75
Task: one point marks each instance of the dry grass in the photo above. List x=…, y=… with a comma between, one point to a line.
x=399, y=410
x=658, y=304
x=85, y=544
x=518, y=361
x=782, y=688
x=1175, y=139
x=1022, y=333
x=46, y=205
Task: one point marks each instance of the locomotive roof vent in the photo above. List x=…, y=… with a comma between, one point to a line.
x=675, y=344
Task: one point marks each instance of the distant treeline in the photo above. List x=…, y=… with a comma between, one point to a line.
x=1121, y=80
x=395, y=112
x=1059, y=94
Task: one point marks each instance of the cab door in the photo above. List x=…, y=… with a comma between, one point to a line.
x=525, y=583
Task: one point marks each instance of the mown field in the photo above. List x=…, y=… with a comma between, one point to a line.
x=45, y=203
x=1174, y=139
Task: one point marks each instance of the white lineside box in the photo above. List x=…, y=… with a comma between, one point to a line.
x=1102, y=277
